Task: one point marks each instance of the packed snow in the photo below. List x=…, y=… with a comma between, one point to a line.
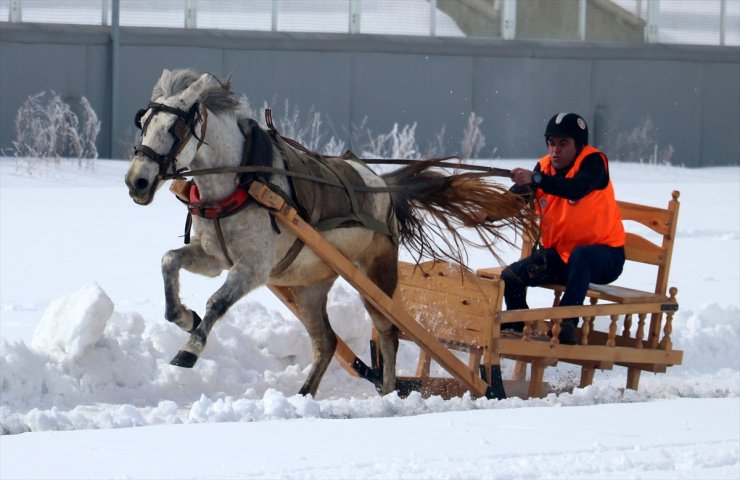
x=85, y=350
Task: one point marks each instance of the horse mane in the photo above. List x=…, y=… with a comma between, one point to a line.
x=217, y=98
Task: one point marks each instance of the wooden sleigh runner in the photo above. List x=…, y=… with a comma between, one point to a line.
x=447, y=308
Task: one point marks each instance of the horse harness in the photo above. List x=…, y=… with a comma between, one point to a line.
x=307, y=171
x=182, y=130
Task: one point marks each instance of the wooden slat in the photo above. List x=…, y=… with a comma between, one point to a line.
x=492, y=273
x=595, y=353
x=615, y=293
x=597, y=310
x=638, y=249
x=656, y=219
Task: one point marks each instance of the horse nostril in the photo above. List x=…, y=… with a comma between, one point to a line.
x=141, y=184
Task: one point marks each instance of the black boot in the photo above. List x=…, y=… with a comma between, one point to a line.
x=567, y=334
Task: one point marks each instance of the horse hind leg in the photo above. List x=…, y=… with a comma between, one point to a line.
x=311, y=306
x=381, y=267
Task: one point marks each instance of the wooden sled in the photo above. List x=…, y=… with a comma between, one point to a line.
x=446, y=308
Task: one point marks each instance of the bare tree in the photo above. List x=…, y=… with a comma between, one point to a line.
x=46, y=127
x=473, y=139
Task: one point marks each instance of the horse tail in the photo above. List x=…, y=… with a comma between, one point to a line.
x=431, y=206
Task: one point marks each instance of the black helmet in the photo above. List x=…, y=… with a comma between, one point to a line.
x=568, y=125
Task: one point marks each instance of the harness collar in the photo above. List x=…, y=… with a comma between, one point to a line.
x=187, y=192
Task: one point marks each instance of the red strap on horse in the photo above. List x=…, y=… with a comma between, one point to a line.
x=220, y=209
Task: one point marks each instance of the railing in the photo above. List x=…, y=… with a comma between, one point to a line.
x=709, y=22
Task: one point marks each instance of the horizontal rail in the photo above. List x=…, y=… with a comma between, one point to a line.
x=625, y=356
x=553, y=313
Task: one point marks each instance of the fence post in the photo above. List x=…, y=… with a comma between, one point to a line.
x=15, y=11
x=722, y=21
x=191, y=13
x=355, y=9
x=115, y=41
x=104, y=13
x=274, y=15
x=432, y=18
x=582, y=20
x=652, y=20
x=508, y=20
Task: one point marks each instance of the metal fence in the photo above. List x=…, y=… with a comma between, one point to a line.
x=706, y=22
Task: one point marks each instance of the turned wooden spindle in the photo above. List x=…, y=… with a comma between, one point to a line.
x=627, y=326
x=640, y=329
x=611, y=342
x=585, y=330
x=667, y=343
x=555, y=331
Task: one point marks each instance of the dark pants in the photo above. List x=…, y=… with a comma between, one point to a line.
x=590, y=263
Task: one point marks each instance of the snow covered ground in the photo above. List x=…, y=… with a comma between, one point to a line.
x=85, y=350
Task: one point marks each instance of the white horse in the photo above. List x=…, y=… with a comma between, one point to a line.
x=194, y=121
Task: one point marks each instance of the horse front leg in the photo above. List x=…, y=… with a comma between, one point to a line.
x=194, y=259
x=240, y=281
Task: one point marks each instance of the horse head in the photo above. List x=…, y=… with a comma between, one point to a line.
x=173, y=128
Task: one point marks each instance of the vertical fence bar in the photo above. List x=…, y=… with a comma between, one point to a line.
x=582, y=20
x=355, y=10
x=104, y=13
x=274, y=15
x=15, y=11
x=191, y=13
x=432, y=18
x=508, y=20
x=652, y=20
x=115, y=41
x=722, y=21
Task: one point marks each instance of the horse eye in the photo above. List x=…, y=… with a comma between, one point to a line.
x=179, y=127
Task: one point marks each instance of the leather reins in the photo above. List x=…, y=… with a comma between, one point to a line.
x=184, y=128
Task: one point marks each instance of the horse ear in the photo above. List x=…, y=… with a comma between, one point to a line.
x=209, y=79
x=164, y=79
x=191, y=94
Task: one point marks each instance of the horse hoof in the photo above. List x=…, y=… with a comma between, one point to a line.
x=184, y=359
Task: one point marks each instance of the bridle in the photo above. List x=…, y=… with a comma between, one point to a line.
x=182, y=130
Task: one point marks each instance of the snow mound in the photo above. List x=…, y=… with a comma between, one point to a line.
x=91, y=366
x=73, y=324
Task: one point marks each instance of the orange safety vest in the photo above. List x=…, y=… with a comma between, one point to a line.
x=592, y=220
